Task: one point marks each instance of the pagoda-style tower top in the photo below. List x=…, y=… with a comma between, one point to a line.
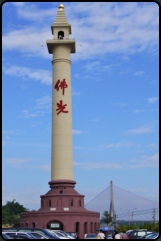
x=60, y=30
x=61, y=17
x=61, y=21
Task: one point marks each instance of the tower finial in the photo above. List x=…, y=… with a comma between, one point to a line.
x=61, y=6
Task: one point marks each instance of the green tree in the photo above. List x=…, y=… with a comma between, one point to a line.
x=133, y=226
x=123, y=228
x=11, y=212
x=144, y=226
x=157, y=227
x=106, y=218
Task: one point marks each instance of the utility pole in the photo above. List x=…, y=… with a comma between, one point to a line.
x=115, y=221
x=154, y=215
x=133, y=215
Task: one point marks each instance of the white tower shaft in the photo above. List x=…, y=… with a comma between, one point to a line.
x=62, y=147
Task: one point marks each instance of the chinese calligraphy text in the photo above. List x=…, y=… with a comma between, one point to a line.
x=61, y=85
x=61, y=107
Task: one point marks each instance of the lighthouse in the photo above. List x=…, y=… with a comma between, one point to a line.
x=62, y=207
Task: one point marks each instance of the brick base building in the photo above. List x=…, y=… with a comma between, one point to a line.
x=62, y=208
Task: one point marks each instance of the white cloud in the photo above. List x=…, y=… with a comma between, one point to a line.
x=145, y=161
x=152, y=145
x=97, y=119
x=17, y=162
x=44, y=76
x=21, y=163
x=13, y=132
x=37, y=123
x=154, y=82
x=106, y=27
x=139, y=73
x=75, y=93
x=44, y=102
x=96, y=165
x=124, y=27
x=152, y=100
x=120, y=104
x=140, y=189
x=110, y=119
x=134, y=160
x=150, y=161
x=31, y=144
x=45, y=167
x=140, y=130
x=76, y=132
x=121, y=144
x=126, y=71
x=138, y=111
x=92, y=66
x=142, y=162
x=18, y=4
x=27, y=114
x=28, y=40
x=152, y=194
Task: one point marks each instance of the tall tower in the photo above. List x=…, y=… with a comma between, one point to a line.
x=62, y=207
x=62, y=148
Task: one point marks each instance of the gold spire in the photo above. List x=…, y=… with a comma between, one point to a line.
x=61, y=6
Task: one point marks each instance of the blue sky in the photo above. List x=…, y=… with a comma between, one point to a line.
x=115, y=98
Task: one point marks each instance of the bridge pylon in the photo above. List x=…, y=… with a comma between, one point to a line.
x=112, y=208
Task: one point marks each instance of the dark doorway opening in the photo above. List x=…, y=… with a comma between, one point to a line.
x=85, y=228
x=33, y=225
x=77, y=227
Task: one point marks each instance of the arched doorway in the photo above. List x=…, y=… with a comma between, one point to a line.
x=77, y=227
x=85, y=228
x=55, y=225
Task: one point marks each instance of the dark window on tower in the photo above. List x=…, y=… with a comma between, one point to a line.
x=49, y=203
x=71, y=202
x=61, y=192
x=60, y=35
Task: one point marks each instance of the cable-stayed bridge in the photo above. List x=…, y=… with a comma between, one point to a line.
x=124, y=205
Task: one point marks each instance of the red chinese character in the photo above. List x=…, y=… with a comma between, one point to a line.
x=61, y=107
x=63, y=85
x=57, y=85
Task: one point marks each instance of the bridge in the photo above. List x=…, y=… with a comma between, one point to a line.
x=124, y=206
